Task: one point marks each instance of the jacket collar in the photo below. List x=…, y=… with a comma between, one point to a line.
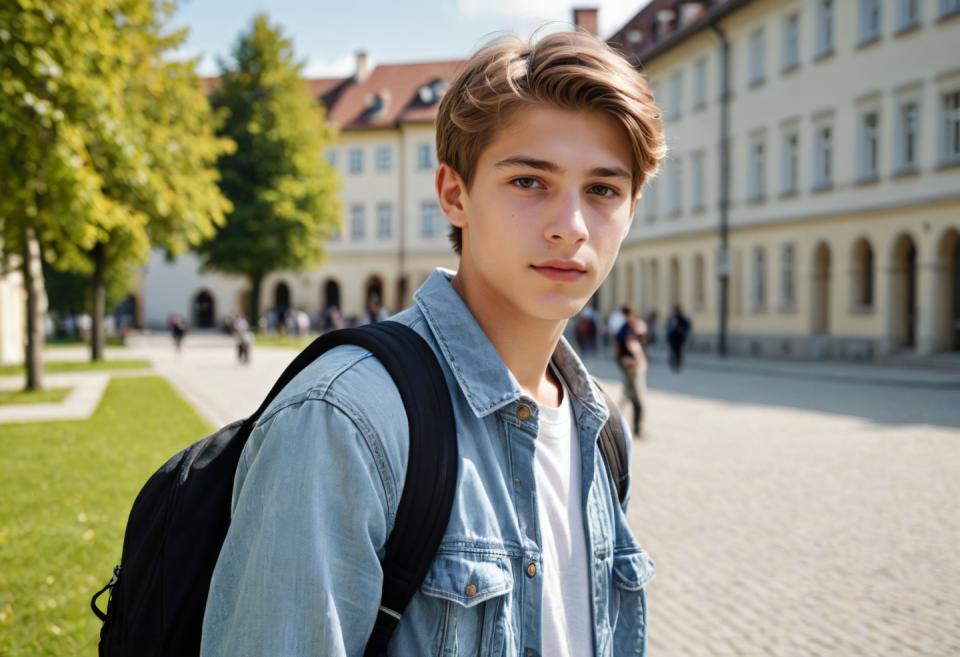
x=486, y=382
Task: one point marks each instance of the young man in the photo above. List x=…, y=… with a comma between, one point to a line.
x=543, y=151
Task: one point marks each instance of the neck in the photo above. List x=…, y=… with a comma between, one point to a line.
x=524, y=344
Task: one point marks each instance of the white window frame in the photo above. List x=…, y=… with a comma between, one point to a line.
x=358, y=222
x=909, y=14
x=950, y=127
x=384, y=220
x=790, y=54
x=424, y=156
x=355, y=160
x=700, y=83
x=675, y=101
x=674, y=188
x=757, y=66
x=790, y=161
x=698, y=163
x=908, y=112
x=825, y=32
x=868, y=144
x=757, y=168
x=871, y=21
x=429, y=219
x=823, y=155
x=384, y=158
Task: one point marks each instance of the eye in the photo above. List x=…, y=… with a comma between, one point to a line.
x=525, y=182
x=603, y=191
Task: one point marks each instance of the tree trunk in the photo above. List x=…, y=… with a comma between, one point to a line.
x=99, y=303
x=36, y=308
x=256, y=282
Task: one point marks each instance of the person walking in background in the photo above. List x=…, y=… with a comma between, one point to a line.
x=244, y=337
x=678, y=329
x=628, y=350
x=178, y=329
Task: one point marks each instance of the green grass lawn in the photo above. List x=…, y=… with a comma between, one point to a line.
x=291, y=341
x=67, y=491
x=50, y=395
x=74, y=341
x=55, y=367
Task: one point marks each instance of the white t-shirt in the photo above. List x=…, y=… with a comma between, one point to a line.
x=566, y=624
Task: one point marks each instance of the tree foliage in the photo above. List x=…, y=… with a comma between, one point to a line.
x=284, y=194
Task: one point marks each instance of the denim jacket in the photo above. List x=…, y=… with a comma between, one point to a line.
x=316, y=493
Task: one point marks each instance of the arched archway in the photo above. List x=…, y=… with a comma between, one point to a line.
x=903, y=293
x=203, y=310
x=946, y=290
x=373, y=290
x=331, y=293
x=862, y=275
x=820, y=289
x=403, y=292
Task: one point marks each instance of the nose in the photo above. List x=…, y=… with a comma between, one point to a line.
x=567, y=223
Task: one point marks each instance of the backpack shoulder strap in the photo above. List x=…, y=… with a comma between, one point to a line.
x=613, y=446
x=428, y=490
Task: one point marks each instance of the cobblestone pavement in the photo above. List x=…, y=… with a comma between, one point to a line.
x=787, y=516
x=796, y=518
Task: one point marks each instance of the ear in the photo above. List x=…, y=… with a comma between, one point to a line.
x=452, y=193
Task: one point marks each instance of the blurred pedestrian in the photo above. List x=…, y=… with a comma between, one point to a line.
x=628, y=350
x=678, y=329
x=178, y=329
x=244, y=339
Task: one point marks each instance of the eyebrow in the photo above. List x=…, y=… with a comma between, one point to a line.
x=553, y=167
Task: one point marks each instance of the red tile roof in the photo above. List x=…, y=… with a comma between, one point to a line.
x=389, y=96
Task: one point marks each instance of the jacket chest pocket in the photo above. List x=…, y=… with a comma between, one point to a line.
x=632, y=570
x=472, y=592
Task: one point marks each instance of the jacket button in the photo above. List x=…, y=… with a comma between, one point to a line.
x=471, y=590
x=523, y=412
x=532, y=570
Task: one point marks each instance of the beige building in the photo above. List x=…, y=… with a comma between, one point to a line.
x=12, y=317
x=833, y=159
x=392, y=234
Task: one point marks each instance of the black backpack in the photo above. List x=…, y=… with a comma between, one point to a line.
x=179, y=520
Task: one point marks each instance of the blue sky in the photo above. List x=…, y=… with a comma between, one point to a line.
x=327, y=33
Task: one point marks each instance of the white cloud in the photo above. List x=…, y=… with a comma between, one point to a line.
x=613, y=13
x=340, y=66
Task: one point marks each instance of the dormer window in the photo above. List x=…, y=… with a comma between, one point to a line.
x=432, y=92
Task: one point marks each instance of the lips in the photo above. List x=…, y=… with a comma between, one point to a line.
x=560, y=270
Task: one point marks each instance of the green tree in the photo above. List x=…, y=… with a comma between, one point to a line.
x=106, y=145
x=284, y=194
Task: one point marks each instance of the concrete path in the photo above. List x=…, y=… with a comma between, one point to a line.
x=80, y=403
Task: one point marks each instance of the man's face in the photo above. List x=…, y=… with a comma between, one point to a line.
x=550, y=203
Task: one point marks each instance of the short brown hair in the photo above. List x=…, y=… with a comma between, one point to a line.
x=569, y=70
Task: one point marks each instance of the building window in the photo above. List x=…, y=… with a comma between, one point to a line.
x=331, y=156
x=823, y=157
x=674, y=189
x=870, y=27
x=790, y=170
x=756, y=73
x=424, y=156
x=384, y=221
x=384, y=158
x=787, y=285
x=700, y=83
x=791, y=42
x=697, y=163
x=908, y=14
x=358, y=227
x=908, y=136
x=675, y=101
x=951, y=127
x=758, y=279
x=355, y=158
x=756, y=170
x=429, y=219
x=869, y=150
x=650, y=201
x=824, y=28
x=949, y=8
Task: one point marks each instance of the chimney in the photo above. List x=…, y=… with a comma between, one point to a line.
x=586, y=19
x=362, y=71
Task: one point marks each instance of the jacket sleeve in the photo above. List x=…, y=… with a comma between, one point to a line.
x=299, y=574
